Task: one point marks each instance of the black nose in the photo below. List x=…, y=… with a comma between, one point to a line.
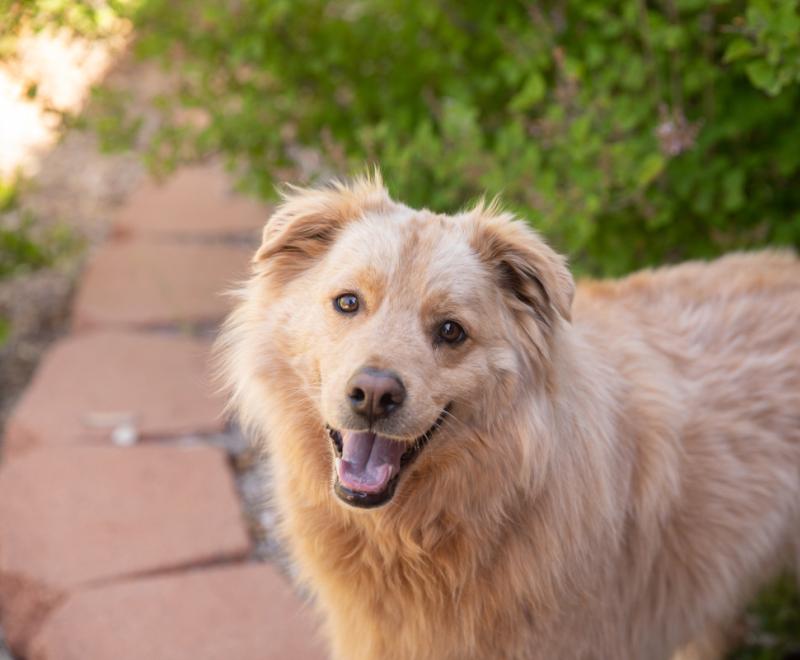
x=375, y=393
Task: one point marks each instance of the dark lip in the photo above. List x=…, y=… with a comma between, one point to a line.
x=371, y=500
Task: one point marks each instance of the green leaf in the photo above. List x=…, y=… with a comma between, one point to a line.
x=764, y=77
x=651, y=167
x=733, y=190
x=531, y=93
x=738, y=49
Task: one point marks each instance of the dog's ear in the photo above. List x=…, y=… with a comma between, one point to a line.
x=308, y=220
x=525, y=266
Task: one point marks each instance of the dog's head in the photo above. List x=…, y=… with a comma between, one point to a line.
x=405, y=327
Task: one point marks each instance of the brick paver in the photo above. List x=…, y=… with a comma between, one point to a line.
x=133, y=553
x=73, y=517
x=140, y=284
x=197, y=201
x=245, y=612
x=88, y=386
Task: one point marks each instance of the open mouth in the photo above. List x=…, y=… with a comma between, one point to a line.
x=369, y=465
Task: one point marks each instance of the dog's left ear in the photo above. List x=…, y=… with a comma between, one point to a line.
x=529, y=269
x=308, y=220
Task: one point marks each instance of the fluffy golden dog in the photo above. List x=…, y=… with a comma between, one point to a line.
x=473, y=460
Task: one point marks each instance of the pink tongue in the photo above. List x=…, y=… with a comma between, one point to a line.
x=368, y=461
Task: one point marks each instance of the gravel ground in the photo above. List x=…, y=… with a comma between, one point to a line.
x=36, y=306
x=5, y=654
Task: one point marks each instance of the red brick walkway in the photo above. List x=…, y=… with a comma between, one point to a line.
x=121, y=534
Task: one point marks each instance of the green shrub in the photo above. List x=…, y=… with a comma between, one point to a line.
x=24, y=249
x=630, y=133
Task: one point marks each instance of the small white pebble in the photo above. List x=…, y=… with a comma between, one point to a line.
x=124, y=435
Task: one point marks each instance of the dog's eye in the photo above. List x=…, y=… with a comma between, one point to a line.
x=451, y=332
x=346, y=303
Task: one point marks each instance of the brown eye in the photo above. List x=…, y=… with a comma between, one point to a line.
x=451, y=332
x=346, y=303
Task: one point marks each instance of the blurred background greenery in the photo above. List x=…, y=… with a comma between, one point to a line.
x=631, y=133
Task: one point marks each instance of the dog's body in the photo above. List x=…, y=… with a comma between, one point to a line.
x=609, y=478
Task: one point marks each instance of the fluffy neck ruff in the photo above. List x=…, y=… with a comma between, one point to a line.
x=448, y=528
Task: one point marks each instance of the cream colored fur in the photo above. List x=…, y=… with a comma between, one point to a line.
x=618, y=475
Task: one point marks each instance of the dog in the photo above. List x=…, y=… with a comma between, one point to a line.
x=474, y=459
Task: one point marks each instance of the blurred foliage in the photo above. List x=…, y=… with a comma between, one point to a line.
x=116, y=127
x=775, y=624
x=25, y=246
x=631, y=133
x=9, y=189
x=91, y=18
x=19, y=251
x=5, y=330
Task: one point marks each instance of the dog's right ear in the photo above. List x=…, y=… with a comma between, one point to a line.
x=308, y=220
